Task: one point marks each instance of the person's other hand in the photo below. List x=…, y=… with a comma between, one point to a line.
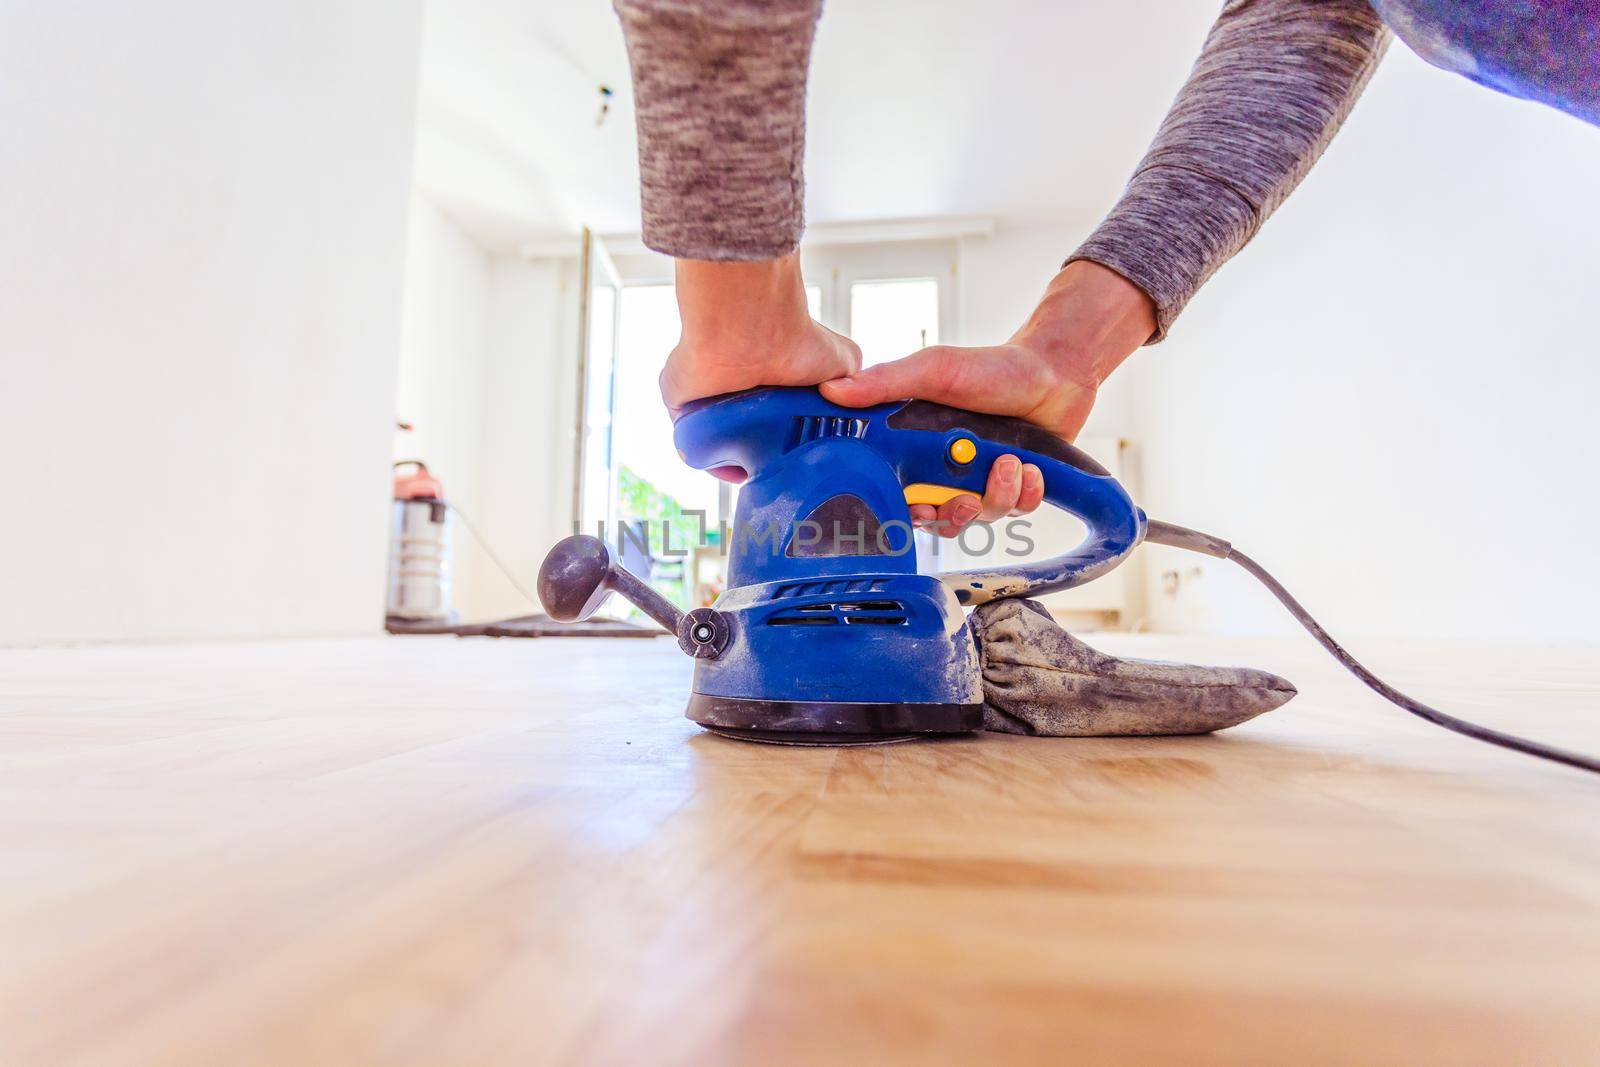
x=1090, y=320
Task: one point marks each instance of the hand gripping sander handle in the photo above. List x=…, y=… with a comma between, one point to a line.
x=935, y=452
x=578, y=575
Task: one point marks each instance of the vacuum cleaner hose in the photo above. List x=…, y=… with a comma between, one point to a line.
x=1164, y=533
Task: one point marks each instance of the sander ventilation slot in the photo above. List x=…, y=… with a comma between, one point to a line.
x=841, y=585
x=820, y=427
x=848, y=613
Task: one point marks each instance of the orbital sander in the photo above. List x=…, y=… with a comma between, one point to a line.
x=826, y=633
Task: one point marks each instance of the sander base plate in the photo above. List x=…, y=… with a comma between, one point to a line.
x=823, y=722
x=809, y=740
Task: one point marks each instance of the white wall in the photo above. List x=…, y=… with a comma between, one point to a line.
x=1389, y=397
x=443, y=341
x=203, y=224
x=529, y=420
x=488, y=381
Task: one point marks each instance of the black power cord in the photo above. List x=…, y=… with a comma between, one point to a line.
x=1165, y=533
x=500, y=565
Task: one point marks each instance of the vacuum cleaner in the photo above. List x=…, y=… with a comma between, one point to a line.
x=826, y=633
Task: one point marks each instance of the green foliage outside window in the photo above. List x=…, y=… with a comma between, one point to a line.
x=639, y=499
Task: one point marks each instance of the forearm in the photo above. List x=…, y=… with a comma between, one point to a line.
x=719, y=94
x=1271, y=87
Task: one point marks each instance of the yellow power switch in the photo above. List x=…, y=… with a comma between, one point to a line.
x=962, y=450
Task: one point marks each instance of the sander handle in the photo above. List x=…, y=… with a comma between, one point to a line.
x=580, y=573
x=935, y=452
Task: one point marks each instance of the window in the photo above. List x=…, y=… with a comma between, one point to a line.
x=653, y=484
x=649, y=327
x=893, y=299
x=598, y=404
x=894, y=318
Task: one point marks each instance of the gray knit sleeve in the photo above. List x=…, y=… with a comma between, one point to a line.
x=719, y=90
x=1275, y=80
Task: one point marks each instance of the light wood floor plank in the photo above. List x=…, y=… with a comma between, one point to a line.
x=419, y=851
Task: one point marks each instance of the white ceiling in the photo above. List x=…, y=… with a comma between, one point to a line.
x=1019, y=109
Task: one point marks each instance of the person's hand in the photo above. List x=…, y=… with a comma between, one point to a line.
x=747, y=324
x=1090, y=320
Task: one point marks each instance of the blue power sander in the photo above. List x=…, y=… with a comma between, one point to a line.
x=826, y=633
